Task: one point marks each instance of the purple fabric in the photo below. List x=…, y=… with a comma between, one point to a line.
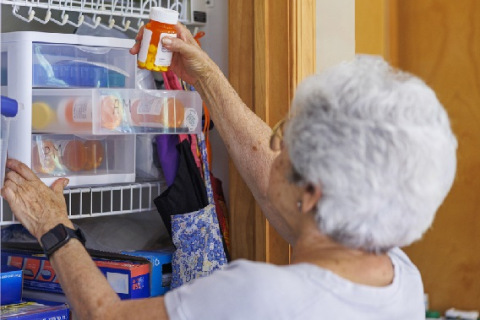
x=168, y=155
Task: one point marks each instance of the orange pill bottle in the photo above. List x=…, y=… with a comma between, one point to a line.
x=152, y=55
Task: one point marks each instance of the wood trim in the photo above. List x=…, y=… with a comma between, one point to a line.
x=304, y=40
x=241, y=71
x=272, y=82
x=272, y=47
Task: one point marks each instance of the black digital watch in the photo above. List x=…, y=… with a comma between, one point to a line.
x=58, y=236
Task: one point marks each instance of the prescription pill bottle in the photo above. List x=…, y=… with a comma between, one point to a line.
x=152, y=55
x=75, y=113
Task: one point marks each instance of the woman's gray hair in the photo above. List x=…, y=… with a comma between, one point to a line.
x=379, y=144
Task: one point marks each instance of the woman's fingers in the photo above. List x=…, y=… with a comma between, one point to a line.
x=178, y=45
x=9, y=184
x=13, y=179
x=138, y=41
x=58, y=185
x=8, y=191
x=22, y=170
x=185, y=34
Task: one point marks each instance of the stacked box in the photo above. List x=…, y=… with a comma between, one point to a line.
x=34, y=311
x=10, y=284
x=129, y=279
x=160, y=269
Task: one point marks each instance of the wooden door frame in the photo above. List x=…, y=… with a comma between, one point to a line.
x=271, y=49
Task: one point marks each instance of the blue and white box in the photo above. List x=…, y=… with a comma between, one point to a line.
x=11, y=285
x=160, y=269
x=35, y=311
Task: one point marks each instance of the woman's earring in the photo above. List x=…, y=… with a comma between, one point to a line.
x=299, y=205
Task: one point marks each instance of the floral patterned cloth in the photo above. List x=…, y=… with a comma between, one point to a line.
x=197, y=237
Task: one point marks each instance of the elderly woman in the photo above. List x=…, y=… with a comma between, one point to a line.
x=356, y=170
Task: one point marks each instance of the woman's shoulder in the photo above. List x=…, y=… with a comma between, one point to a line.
x=400, y=259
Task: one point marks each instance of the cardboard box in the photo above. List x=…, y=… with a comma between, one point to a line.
x=129, y=279
x=160, y=269
x=11, y=285
x=47, y=298
x=35, y=311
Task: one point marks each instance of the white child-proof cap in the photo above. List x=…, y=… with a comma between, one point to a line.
x=164, y=15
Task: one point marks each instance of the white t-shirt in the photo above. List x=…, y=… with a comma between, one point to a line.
x=252, y=290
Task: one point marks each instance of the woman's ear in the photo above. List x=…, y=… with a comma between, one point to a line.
x=311, y=196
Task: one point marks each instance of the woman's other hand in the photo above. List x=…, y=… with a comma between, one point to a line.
x=189, y=62
x=38, y=207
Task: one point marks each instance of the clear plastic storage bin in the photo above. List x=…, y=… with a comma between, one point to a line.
x=31, y=60
x=115, y=111
x=92, y=160
x=68, y=61
x=75, y=66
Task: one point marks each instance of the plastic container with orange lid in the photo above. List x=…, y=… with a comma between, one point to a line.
x=152, y=55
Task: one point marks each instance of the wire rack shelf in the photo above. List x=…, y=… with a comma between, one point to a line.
x=122, y=15
x=101, y=201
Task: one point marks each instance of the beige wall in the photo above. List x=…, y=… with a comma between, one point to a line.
x=335, y=32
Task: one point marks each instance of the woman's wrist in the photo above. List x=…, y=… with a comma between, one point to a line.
x=207, y=71
x=50, y=224
x=209, y=77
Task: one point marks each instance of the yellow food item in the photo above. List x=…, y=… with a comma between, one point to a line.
x=42, y=115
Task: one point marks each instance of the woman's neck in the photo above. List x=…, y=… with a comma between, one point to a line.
x=352, y=264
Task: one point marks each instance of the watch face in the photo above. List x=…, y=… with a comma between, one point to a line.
x=58, y=236
x=54, y=237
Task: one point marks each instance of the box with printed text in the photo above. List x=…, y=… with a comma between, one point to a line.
x=160, y=269
x=10, y=284
x=35, y=311
x=129, y=279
